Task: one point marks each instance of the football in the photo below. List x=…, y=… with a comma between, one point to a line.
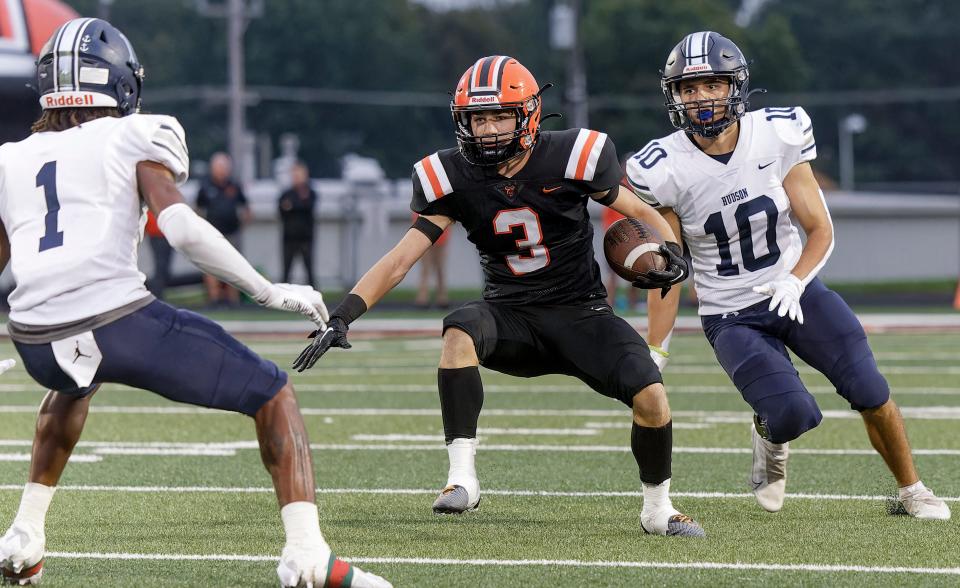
x=632, y=249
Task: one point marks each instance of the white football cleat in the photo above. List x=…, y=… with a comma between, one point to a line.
x=21, y=555
x=303, y=566
x=924, y=504
x=768, y=478
x=669, y=521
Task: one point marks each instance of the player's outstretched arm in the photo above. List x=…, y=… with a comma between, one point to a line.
x=662, y=309
x=5, y=364
x=379, y=279
x=209, y=250
x=808, y=205
x=629, y=204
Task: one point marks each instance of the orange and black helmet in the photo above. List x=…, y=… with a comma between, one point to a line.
x=496, y=82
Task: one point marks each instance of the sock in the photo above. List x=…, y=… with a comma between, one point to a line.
x=461, y=398
x=912, y=489
x=301, y=522
x=656, y=495
x=34, y=504
x=652, y=448
x=462, y=467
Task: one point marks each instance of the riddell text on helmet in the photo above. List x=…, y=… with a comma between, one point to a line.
x=73, y=100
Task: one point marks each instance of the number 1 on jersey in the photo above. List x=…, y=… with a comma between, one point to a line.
x=47, y=179
x=539, y=256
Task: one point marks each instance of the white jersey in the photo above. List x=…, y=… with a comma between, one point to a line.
x=735, y=217
x=71, y=208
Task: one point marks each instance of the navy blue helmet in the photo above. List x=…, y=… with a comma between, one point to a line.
x=705, y=55
x=89, y=63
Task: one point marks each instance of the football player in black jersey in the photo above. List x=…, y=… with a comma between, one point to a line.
x=522, y=194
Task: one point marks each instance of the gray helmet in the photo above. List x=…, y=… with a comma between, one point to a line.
x=704, y=55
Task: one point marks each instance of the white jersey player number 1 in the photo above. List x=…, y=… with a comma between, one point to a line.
x=47, y=179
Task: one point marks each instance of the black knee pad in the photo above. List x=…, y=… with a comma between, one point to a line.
x=476, y=320
x=788, y=415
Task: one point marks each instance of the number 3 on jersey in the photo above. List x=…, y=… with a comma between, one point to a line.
x=47, y=179
x=538, y=256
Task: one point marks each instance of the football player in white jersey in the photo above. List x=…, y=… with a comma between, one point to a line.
x=73, y=198
x=728, y=181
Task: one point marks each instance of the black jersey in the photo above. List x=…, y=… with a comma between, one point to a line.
x=533, y=231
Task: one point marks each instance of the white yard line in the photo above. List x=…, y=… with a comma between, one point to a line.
x=79, y=458
x=604, y=449
x=482, y=432
x=432, y=491
x=573, y=563
x=230, y=447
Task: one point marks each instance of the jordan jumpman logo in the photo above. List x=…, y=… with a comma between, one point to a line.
x=77, y=354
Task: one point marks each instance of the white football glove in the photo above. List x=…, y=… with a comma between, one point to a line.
x=784, y=293
x=660, y=356
x=296, y=298
x=6, y=364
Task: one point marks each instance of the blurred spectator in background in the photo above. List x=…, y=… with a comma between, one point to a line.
x=222, y=202
x=433, y=263
x=296, y=215
x=162, y=255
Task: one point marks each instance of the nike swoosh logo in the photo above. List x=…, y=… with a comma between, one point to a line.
x=547, y=190
x=599, y=308
x=756, y=485
x=767, y=165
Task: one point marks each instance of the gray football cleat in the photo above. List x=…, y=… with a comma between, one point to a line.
x=670, y=522
x=454, y=500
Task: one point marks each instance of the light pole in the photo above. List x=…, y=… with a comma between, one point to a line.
x=103, y=9
x=237, y=14
x=564, y=35
x=850, y=125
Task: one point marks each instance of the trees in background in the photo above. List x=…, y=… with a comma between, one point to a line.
x=886, y=59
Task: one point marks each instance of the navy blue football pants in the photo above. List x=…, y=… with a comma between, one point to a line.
x=177, y=354
x=751, y=345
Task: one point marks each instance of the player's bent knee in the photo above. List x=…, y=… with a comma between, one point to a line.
x=635, y=372
x=458, y=350
x=285, y=398
x=865, y=389
x=469, y=335
x=650, y=406
x=789, y=415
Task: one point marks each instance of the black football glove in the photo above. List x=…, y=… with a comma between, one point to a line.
x=675, y=272
x=335, y=335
